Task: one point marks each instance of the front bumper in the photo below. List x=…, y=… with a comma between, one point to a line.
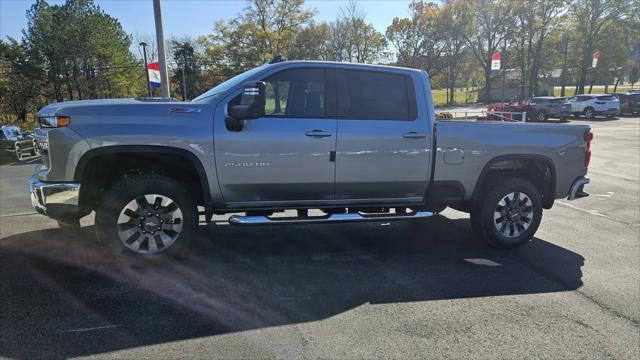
x=56, y=200
x=577, y=188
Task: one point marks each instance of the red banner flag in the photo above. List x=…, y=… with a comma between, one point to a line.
x=495, y=61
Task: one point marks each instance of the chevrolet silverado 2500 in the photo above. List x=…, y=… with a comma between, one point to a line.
x=358, y=142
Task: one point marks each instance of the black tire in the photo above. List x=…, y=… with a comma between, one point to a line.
x=589, y=113
x=484, y=223
x=133, y=189
x=541, y=116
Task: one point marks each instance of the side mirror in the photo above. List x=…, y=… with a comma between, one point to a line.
x=252, y=102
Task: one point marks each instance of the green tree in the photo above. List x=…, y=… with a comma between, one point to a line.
x=265, y=28
x=21, y=80
x=188, y=64
x=594, y=23
x=536, y=20
x=355, y=40
x=419, y=39
x=85, y=51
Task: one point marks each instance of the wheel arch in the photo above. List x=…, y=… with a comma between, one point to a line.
x=86, y=162
x=513, y=164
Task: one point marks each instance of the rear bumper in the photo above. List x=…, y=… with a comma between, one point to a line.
x=577, y=188
x=55, y=200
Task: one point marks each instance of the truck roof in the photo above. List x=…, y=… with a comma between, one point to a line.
x=343, y=64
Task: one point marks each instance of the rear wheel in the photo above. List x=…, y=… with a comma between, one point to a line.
x=147, y=214
x=509, y=214
x=541, y=116
x=589, y=113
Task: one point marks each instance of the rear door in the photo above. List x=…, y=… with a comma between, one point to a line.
x=283, y=158
x=383, y=145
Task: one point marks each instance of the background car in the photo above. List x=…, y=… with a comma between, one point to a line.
x=12, y=140
x=591, y=105
x=629, y=102
x=547, y=107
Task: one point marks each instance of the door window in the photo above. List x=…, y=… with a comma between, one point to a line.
x=373, y=95
x=296, y=93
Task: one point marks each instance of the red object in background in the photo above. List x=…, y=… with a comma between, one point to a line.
x=596, y=57
x=495, y=61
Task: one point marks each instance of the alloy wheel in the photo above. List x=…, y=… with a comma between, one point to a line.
x=150, y=223
x=513, y=215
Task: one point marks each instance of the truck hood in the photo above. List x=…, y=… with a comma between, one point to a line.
x=81, y=106
x=120, y=108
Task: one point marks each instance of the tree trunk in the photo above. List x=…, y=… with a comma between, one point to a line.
x=487, y=83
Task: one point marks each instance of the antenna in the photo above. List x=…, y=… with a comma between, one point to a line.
x=276, y=59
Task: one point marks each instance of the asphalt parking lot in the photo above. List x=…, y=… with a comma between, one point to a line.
x=424, y=289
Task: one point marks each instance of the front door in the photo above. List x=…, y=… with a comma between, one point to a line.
x=283, y=158
x=383, y=150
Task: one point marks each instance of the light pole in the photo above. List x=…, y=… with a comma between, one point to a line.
x=146, y=70
x=162, y=59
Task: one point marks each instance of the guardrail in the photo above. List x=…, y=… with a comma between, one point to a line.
x=483, y=115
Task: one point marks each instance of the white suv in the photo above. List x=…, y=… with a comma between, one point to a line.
x=591, y=105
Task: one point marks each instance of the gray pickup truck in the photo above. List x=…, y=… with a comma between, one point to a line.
x=356, y=142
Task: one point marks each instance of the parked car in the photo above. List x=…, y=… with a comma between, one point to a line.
x=14, y=141
x=548, y=107
x=591, y=105
x=357, y=142
x=629, y=102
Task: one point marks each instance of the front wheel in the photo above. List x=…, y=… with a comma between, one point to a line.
x=541, y=116
x=589, y=113
x=509, y=214
x=147, y=214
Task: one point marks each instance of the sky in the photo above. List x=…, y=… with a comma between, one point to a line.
x=182, y=18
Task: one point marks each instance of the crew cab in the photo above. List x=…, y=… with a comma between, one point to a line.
x=356, y=142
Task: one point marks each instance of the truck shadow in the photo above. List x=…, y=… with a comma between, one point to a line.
x=65, y=296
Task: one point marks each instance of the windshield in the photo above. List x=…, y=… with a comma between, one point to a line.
x=226, y=85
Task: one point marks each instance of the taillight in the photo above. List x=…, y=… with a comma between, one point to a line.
x=588, y=136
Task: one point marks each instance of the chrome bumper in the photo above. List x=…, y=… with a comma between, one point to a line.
x=56, y=200
x=577, y=188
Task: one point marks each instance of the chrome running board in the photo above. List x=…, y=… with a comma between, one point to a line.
x=333, y=218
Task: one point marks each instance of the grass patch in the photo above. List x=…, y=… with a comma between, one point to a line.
x=460, y=96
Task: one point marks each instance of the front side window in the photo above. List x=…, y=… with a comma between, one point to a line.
x=296, y=93
x=376, y=96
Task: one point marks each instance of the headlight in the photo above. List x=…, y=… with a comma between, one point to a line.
x=54, y=121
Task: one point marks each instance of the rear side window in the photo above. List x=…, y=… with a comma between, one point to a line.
x=373, y=95
x=606, y=98
x=584, y=98
x=560, y=100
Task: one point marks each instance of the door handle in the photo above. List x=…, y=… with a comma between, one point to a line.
x=317, y=133
x=413, y=135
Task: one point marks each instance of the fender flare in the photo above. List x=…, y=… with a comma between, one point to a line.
x=154, y=149
x=545, y=159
